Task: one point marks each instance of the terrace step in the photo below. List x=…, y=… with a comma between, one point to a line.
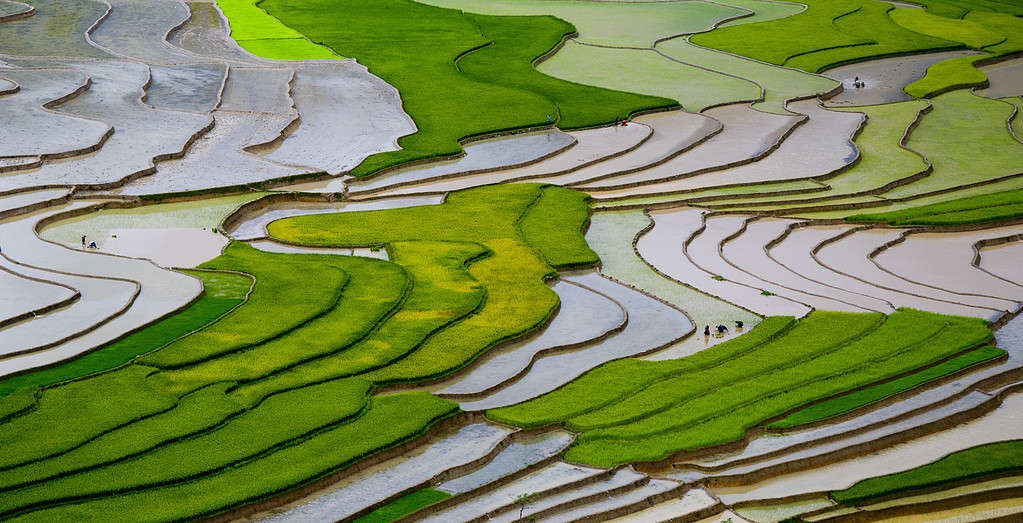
x=189, y=87
x=884, y=78
x=1003, y=79
x=251, y=224
x=747, y=135
x=584, y=315
x=206, y=34
x=795, y=253
x=522, y=454
x=27, y=201
x=611, y=235
x=593, y=146
x=746, y=252
x=674, y=132
x=945, y=261
x=114, y=280
x=695, y=504
x=341, y=102
x=622, y=481
x=26, y=297
x=952, y=399
x=483, y=156
x=651, y=325
x=767, y=457
x=379, y=483
x=554, y=478
x=218, y=159
x=1002, y=261
x=144, y=135
x=32, y=126
x=959, y=499
x=100, y=300
x=55, y=29
x=849, y=255
x=622, y=504
x=137, y=31
x=13, y=10
x=262, y=90
x=1002, y=423
x=677, y=247
x=821, y=146
x=779, y=84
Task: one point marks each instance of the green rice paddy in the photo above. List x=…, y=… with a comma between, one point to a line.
x=446, y=104
x=223, y=291
x=713, y=397
x=973, y=463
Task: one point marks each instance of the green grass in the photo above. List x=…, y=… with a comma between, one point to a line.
x=295, y=365
x=223, y=291
x=948, y=75
x=619, y=379
x=963, y=211
x=82, y=410
x=971, y=34
x=849, y=402
x=626, y=413
x=819, y=333
x=958, y=8
x=389, y=420
x=645, y=71
x=975, y=462
x=472, y=215
x=872, y=22
x=404, y=506
x=289, y=291
x=261, y=34
x=280, y=420
x=517, y=42
x=195, y=413
x=984, y=150
x=513, y=274
x=446, y=104
x=374, y=289
x=980, y=27
x=907, y=340
x=443, y=292
x=827, y=34
x=547, y=218
x=18, y=403
x=559, y=240
x=518, y=301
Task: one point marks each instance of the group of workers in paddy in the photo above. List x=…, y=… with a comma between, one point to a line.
x=721, y=329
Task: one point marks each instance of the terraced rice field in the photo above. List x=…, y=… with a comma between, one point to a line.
x=515, y=260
